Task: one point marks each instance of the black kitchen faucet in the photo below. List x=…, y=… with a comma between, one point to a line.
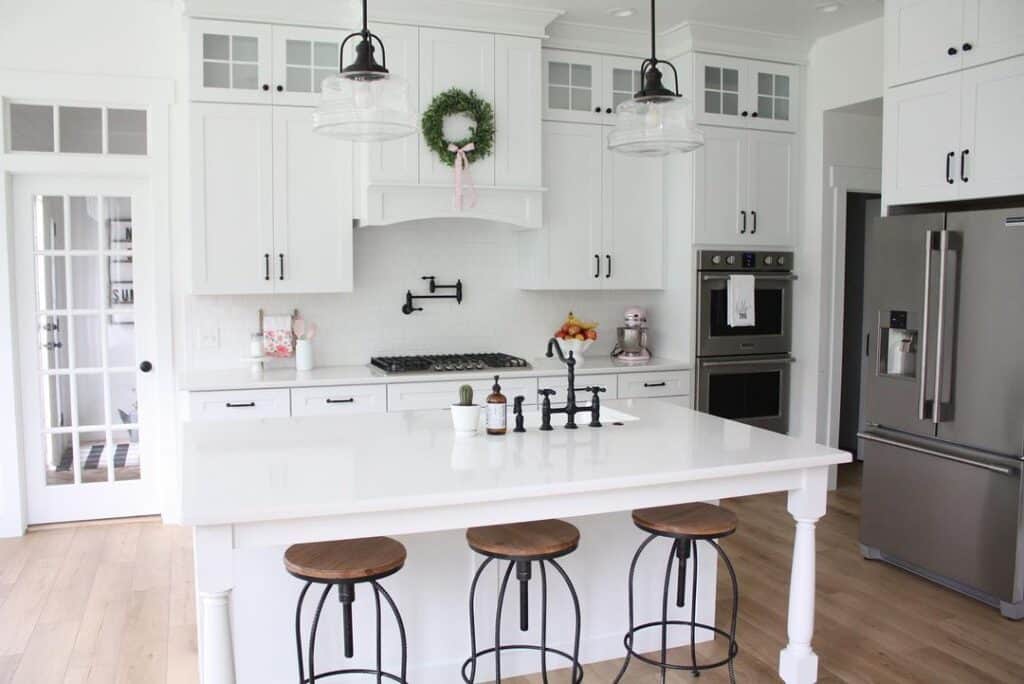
x=570, y=409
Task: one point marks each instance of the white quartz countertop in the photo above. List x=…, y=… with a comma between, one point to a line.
x=291, y=468
x=243, y=379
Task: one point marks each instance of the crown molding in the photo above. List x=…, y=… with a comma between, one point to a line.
x=572, y=35
x=735, y=42
x=473, y=15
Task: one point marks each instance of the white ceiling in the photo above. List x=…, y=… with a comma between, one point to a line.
x=791, y=17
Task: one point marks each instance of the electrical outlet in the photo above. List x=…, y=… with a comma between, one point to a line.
x=208, y=338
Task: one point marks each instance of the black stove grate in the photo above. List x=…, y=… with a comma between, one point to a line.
x=446, y=362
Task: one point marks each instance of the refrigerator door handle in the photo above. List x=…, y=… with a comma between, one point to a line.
x=922, y=400
x=940, y=326
x=938, y=454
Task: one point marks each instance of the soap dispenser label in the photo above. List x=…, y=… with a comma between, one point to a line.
x=497, y=416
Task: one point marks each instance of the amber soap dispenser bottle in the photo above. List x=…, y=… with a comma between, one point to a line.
x=497, y=410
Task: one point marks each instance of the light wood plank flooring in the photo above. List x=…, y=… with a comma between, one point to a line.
x=113, y=603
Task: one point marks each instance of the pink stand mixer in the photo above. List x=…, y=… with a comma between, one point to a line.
x=631, y=343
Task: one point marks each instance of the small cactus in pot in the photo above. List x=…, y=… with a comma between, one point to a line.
x=465, y=396
x=465, y=414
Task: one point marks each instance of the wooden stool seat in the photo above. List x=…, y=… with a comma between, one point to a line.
x=535, y=540
x=692, y=520
x=349, y=560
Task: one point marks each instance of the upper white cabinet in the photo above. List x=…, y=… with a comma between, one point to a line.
x=745, y=187
x=745, y=93
x=244, y=62
x=586, y=88
x=603, y=222
x=955, y=136
x=925, y=38
x=271, y=203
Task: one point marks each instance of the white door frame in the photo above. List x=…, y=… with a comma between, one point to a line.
x=156, y=96
x=842, y=180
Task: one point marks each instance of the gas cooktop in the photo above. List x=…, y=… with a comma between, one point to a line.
x=446, y=362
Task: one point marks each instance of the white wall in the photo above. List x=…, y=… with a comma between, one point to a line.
x=843, y=69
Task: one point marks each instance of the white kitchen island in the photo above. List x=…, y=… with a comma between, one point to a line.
x=252, y=488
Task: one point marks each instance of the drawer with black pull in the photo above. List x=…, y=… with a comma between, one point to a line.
x=339, y=401
x=663, y=384
x=239, y=404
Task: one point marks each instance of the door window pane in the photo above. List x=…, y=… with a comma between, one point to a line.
x=126, y=131
x=93, y=456
x=81, y=129
x=89, y=399
x=87, y=341
x=49, y=223
x=31, y=128
x=123, y=406
x=57, y=401
x=84, y=213
x=51, y=282
x=59, y=459
x=121, y=346
x=126, y=454
x=85, y=281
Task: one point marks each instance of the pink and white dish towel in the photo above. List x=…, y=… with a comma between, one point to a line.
x=278, y=340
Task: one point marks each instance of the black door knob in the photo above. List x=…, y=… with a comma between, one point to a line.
x=951, y=51
x=145, y=366
x=967, y=47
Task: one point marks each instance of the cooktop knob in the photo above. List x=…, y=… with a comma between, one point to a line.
x=730, y=260
x=716, y=259
x=781, y=260
x=768, y=260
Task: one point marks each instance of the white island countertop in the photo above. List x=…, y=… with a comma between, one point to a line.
x=243, y=379
x=341, y=465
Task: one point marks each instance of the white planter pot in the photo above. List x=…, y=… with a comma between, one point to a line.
x=303, y=355
x=466, y=419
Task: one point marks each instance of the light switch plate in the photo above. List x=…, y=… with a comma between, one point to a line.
x=208, y=337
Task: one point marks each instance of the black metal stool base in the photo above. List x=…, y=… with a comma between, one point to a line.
x=683, y=548
x=577, y=668
x=522, y=575
x=379, y=675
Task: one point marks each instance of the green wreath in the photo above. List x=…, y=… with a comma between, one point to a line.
x=455, y=101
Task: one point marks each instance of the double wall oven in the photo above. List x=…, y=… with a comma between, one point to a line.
x=743, y=372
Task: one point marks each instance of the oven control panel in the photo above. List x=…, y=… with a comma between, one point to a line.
x=722, y=260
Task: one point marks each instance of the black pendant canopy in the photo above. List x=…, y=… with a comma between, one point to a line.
x=650, y=75
x=365, y=66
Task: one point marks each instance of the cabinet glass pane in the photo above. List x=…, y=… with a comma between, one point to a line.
x=619, y=98
x=31, y=128
x=216, y=46
x=81, y=129
x=581, y=75
x=581, y=100
x=558, y=97
x=731, y=80
x=764, y=84
x=712, y=78
x=721, y=90
x=558, y=73
x=216, y=75
x=781, y=109
x=730, y=103
x=326, y=55
x=244, y=49
x=712, y=102
x=319, y=75
x=299, y=80
x=782, y=86
x=243, y=76
x=126, y=131
x=622, y=79
x=764, y=107
x=298, y=52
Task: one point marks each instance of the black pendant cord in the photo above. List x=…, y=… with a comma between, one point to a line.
x=654, y=59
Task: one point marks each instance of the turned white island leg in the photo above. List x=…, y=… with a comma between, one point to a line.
x=798, y=663
x=213, y=567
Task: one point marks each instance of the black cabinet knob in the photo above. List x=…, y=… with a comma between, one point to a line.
x=145, y=366
x=280, y=88
x=754, y=115
x=608, y=110
x=266, y=86
x=744, y=113
x=967, y=47
x=597, y=110
x=951, y=51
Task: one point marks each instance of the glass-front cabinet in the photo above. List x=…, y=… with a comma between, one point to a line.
x=745, y=93
x=586, y=88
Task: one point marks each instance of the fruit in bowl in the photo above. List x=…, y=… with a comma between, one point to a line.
x=576, y=335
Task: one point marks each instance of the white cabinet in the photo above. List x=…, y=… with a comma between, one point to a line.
x=271, y=203
x=586, y=88
x=955, y=136
x=517, y=112
x=234, y=61
x=745, y=93
x=412, y=396
x=339, y=401
x=926, y=38
x=745, y=187
x=603, y=223
x=664, y=384
x=239, y=405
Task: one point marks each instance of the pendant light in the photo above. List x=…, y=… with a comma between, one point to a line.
x=657, y=121
x=364, y=102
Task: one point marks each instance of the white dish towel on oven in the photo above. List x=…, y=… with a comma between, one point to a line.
x=740, y=301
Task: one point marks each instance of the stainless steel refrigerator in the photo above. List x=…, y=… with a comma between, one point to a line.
x=942, y=437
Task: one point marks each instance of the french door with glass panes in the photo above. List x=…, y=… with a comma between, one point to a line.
x=84, y=289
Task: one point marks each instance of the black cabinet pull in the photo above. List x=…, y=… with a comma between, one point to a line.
x=248, y=404
x=967, y=47
x=743, y=230
x=280, y=260
x=597, y=265
x=654, y=384
x=951, y=51
x=949, y=158
x=266, y=267
x=609, y=258
x=753, y=215
x=350, y=400
x=963, y=165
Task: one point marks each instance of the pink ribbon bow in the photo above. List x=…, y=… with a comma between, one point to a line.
x=462, y=169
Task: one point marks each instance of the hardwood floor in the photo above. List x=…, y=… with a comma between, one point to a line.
x=113, y=603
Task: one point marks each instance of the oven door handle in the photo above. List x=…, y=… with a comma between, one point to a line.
x=747, y=362
x=759, y=276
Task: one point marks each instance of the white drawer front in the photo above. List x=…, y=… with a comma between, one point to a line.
x=410, y=396
x=345, y=400
x=561, y=385
x=239, y=404
x=664, y=384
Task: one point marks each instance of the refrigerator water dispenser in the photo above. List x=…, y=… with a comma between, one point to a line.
x=897, y=352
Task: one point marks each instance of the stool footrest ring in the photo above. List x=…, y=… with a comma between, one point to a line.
x=627, y=641
x=385, y=675
x=576, y=665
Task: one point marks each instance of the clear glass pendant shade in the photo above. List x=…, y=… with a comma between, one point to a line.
x=365, y=107
x=654, y=127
